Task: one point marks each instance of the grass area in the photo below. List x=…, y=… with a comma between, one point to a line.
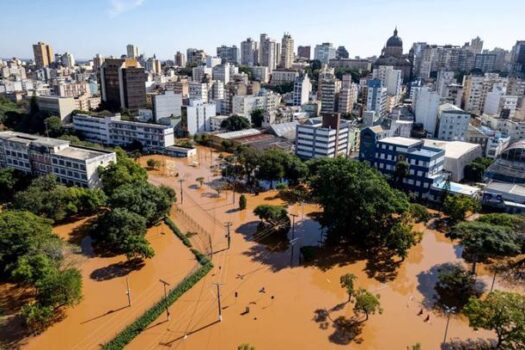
x=141, y=323
x=178, y=232
x=9, y=106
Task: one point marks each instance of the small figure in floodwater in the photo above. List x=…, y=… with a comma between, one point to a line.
x=262, y=290
x=420, y=312
x=428, y=318
x=272, y=297
x=247, y=310
x=236, y=294
x=239, y=276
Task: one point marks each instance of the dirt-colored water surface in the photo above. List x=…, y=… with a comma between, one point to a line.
x=271, y=301
x=104, y=308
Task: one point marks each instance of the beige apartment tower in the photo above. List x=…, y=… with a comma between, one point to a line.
x=44, y=55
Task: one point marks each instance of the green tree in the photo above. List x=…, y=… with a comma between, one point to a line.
x=273, y=215
x=242, y=202
x=474, y=170
x=11, y=182
x=24, y=235
x=123, y=231
x=419, y=212
x=37, y=317
x=483, y=241
x=61, y=288
x=53, y=126
x=124, y=171
x=367, y=303
x=400, y=239
x=401, y=171
x=455, y=286
x=456, y=207
x=257, y=117
x=359, y=206
x=347, y=282
x=503, y=313
x=151, y=202
x=153, y=163
x=200, y=180
x=235, y=123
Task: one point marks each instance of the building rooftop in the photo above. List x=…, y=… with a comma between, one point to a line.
x=237, y=134
x=449, y=107
x=453, y=149
x=505, y=187
x=34, y=139
x=80, y=153
x=400, y=141
x=457, y=188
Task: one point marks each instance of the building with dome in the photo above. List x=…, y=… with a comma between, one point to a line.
x=392, y=55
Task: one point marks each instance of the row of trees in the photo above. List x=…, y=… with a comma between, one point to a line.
x=31, y=255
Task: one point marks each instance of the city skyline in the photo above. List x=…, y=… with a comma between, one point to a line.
x=157, y=27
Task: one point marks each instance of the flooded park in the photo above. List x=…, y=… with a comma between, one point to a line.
x=269, y=298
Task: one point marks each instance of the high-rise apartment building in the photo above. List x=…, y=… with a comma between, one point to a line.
x=301, y=90
x=329, y=88
x=476, y=88
x=287, y=51
x=43, y=54
x=304, y=52
x=180, y=59
x=228, y=54
x=123, y=84
x=377, y=97
x=132, y=51
x=269, y=52
x=348, y=95
x=518, y=57
x=249, y=52
x=324, y=52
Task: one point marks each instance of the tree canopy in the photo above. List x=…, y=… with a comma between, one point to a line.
x=124, y=171
x=359, y=205
x=257, y=117
x=482, y=241
x=474, y=170
x=502, y=312
x=457, y=206
x=235, y=123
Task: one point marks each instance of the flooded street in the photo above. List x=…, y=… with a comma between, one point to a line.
x=270, y=301
x=104, y=309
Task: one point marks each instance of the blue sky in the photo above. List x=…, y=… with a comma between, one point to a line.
x=88, y=27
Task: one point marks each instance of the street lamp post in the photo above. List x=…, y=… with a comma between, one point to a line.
x=448, y=311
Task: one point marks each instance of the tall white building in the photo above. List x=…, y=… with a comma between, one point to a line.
x=212, y=61
x=166, y=105
x=198, y=115
x=444, y=79
x=476, y=88
x=198, y=91
x=38, y=155
x=269, y=52
x=377, y=97
x=426, y=106
x=132, y=51
x=498, y=101
x=115, y=131
x=260, y=73
x=68, y=60
x=287, y=51
x=245, y=105
x=324, y=52
x=322, y=137
x=199, y=72
x=301, y=90
x=329, y=88
x=222, y=72
x=391, y=78
x=453, y=123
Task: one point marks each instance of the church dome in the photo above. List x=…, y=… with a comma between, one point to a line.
x=394, y=41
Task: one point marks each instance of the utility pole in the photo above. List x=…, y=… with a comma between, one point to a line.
x=292, y=245
x=448, y=311
x=493, y=281
x=211, y=247
x=228, y=234
x=219, y=299
x=293, y=225
x=166, y=298
x=181, y=193
x=128, y=292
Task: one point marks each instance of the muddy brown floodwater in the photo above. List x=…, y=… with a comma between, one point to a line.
x=104, y=309
x=272, y=302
